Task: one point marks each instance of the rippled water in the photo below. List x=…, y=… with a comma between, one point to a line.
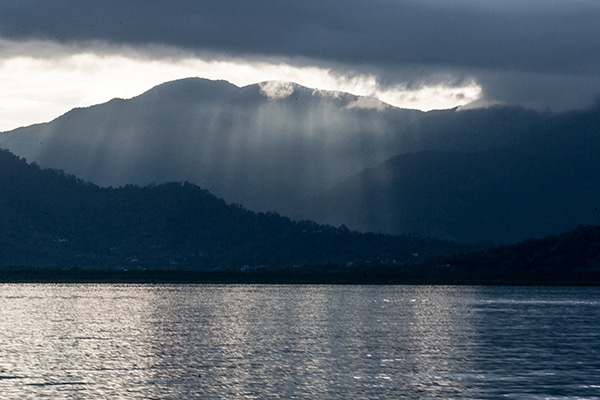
x=319, y=342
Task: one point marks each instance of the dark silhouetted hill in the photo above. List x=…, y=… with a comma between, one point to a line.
x=547, y=181
x=48, y=219
x=572, y=252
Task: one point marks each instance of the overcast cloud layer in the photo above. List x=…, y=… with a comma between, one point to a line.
x=541, y=53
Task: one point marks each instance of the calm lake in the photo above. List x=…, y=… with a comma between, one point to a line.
x=86, y=341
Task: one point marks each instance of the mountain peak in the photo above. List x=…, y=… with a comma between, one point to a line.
x=191, y=87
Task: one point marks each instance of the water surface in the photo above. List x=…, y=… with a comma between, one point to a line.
x=85, y=341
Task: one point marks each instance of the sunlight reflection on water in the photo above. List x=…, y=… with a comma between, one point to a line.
x=336, y=342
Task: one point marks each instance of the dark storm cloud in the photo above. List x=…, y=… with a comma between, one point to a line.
x=565, y=36
x=463, y=37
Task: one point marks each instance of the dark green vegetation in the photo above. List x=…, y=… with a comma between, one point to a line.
x=576, y=252
x=364, y=275
x=48, y=219
x=56, y=228
x=572, y=258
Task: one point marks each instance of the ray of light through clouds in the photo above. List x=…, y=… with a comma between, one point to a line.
x=426, y=54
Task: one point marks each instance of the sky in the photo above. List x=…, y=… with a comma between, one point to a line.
x=424, y=54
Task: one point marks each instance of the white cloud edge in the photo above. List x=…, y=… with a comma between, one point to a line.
x=40, y=85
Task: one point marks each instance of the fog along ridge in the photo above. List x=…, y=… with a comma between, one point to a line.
x=500, y=174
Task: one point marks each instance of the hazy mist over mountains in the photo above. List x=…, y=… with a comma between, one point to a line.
x=499, y=174
x=266, y=153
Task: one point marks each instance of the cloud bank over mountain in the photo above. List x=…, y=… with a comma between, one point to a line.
x=544, y=54
x=539, y=36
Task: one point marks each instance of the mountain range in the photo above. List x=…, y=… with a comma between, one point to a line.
x=498, y=174
x=263, y=146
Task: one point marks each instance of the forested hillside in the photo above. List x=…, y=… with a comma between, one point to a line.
x=570, y=253
x=50, y=219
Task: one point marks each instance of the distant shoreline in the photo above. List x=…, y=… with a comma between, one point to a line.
x=287, y=276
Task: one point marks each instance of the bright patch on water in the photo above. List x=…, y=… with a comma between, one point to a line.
x=333, y=342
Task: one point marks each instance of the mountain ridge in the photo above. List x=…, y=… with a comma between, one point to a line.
x=224, y=138
x=283, y=151
x=547, y=182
